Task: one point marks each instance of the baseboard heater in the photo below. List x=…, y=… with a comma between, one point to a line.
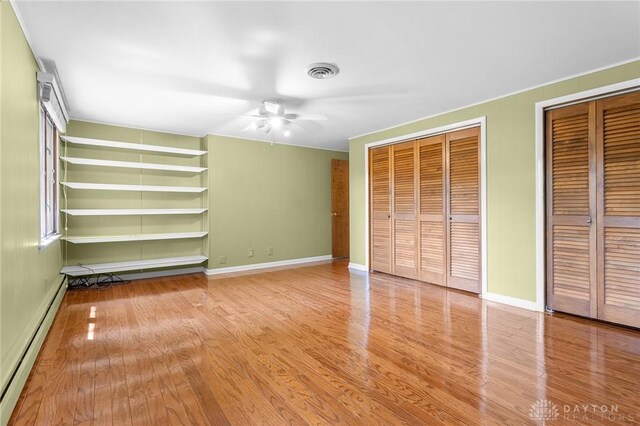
x=56, y=298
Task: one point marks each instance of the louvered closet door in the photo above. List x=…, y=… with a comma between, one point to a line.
x=463, y=228
x=571, y=236
x=380, y=201
x=618, y=146
x=404, y=256
x=431, y=224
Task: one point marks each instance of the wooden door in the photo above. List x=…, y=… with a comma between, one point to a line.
x=618, y=200
x=380, y=202
x=463, y=210
x=403, y=213
x=571, y=210
x=431, y=220
x=340, y=208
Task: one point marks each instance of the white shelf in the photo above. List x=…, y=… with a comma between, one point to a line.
x=131, y=165
x=132, y=146
x=147, y=188
x=163, y=237
x=129, y=212
x=136, y=237
x=100, y=268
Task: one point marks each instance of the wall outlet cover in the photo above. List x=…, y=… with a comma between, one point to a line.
x=222, y=259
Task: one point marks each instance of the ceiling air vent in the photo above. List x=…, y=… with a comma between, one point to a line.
x=322, y=70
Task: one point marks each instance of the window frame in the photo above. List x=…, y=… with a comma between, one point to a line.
x=49, y=216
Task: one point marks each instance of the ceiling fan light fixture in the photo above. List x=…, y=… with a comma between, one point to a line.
x=322, y=70
x=271, y=116
x=276, y=122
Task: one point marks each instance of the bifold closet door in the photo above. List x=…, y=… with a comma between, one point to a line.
x=618, y=221
x=463, y=210
x=425, y=209
x=432, y=223
x=403, y=213
x=380, y=201
x=571, y=210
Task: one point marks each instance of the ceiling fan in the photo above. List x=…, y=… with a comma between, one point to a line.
x=271, y=116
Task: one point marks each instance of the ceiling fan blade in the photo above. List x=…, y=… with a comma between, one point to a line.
x=293, y=124
x=255, y=125
x=316, y=117
x=239, y=115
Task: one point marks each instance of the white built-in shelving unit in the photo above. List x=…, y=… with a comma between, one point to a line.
x=134, y=237
x=129, y=212
x=133, y=146
x=146, y=188
x=131, y=165
x=105, y=149
x=101, y=268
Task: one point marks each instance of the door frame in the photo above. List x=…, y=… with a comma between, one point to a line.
x=540, y=108
x=474, y=122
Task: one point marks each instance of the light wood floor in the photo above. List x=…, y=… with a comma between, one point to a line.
x=318, y=345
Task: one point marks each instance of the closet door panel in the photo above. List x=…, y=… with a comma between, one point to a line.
x=571, y=236
x=618, y=146
x=463, y=179
x=432, y=235
x=404, y=210
x=380, y=201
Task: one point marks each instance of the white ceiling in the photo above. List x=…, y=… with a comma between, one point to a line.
x=181, y=66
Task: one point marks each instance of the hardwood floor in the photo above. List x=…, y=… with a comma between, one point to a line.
x=318, y=345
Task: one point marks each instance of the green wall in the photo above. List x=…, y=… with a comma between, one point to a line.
x=29, y=276
x=124, y=225
x=510, y=177
x=264, y=195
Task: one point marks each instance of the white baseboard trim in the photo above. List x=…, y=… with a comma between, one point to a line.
x=242, y=268
x=513, y=301
x=358, y=267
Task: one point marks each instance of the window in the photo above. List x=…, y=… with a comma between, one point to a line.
x=53, y=118
x=49, y=224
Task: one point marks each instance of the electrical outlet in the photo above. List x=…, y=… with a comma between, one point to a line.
x=250, y=252
x=269, y=251
x=222, y=259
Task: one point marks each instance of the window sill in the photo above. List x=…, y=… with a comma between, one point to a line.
x=47, y=241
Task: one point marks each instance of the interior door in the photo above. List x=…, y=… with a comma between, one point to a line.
x=340, y=208
x=403, y=213
x=463, y=189
x=571, y=210
x=618, y=230
x=380, y=202
x=431, y=220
